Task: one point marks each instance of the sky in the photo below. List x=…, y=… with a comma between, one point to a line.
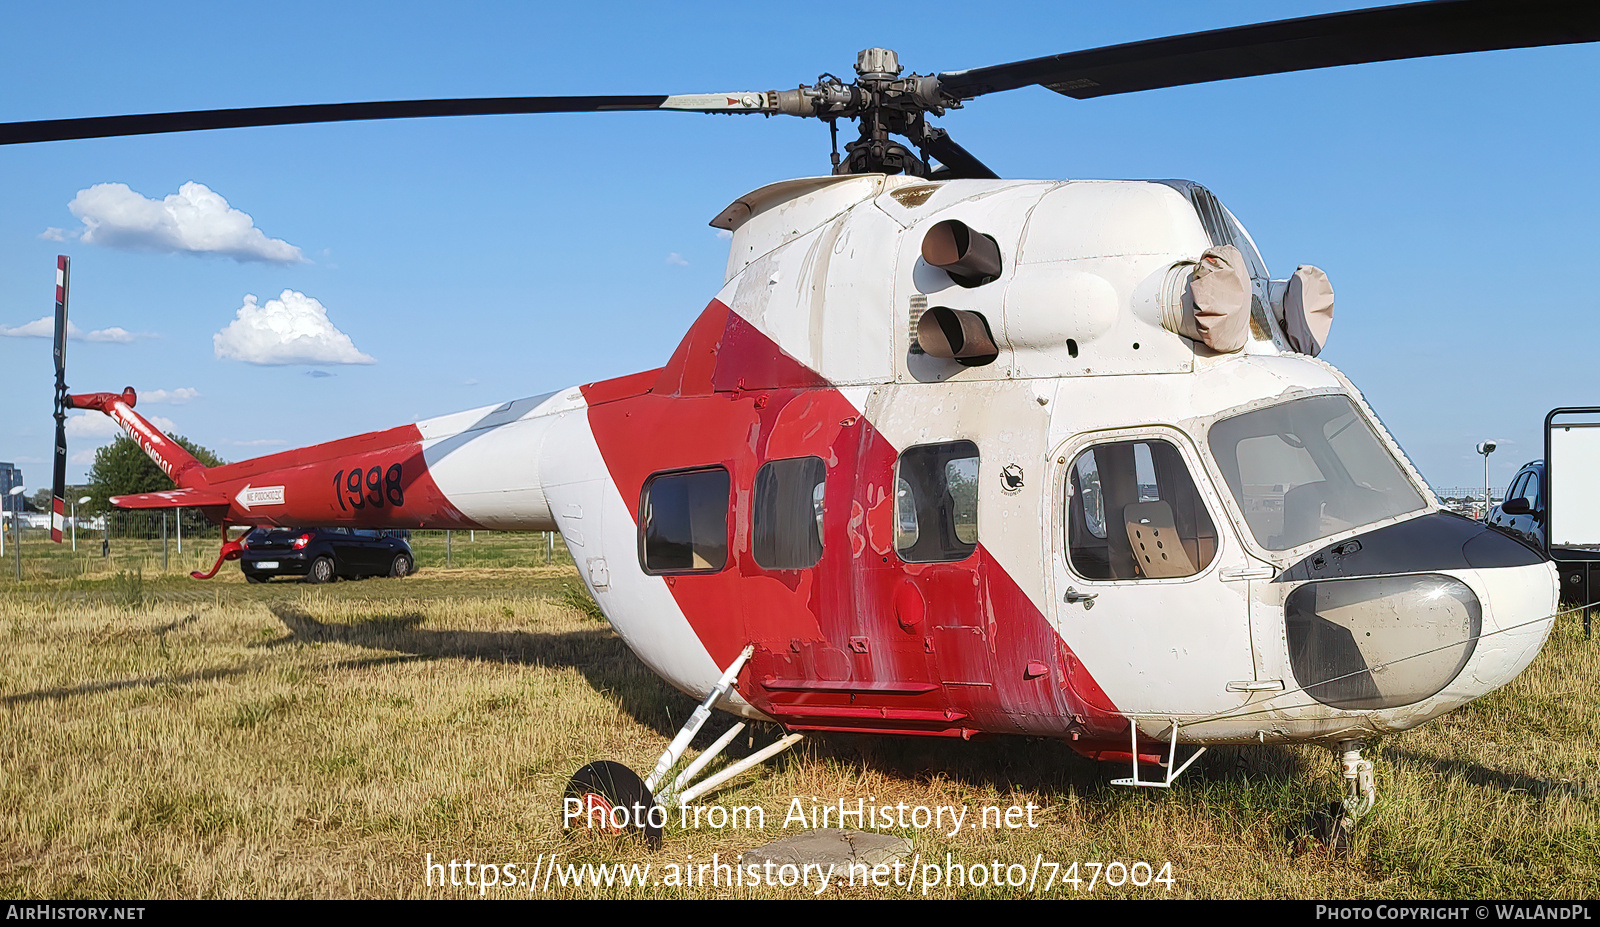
x=274, y=287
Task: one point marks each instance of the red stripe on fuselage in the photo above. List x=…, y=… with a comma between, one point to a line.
x=375, y=480
x=833, y=649
x=391, y=486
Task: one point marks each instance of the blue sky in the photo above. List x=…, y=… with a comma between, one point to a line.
x=1451, y=201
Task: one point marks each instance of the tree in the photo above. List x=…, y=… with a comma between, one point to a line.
x=121, y=468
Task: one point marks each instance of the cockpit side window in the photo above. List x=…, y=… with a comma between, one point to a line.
x=1308, y=469
x=1133, y=513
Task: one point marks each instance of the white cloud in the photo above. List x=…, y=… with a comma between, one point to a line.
x=676, y=260
x=93, y=425
x=724, y=234
x=45, y=327
x=54, y=234
x=176, y=397
x=292, y=329
x=98, y=428
x=194, y=221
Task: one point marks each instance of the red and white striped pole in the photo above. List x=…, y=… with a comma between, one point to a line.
x=58, y=483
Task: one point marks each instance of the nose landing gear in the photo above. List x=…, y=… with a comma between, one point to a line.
x=1335, y=826
x=1359, y=791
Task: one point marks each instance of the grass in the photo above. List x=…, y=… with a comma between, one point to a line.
x=163, y=737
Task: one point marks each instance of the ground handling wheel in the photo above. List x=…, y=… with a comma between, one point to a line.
x=609, y=798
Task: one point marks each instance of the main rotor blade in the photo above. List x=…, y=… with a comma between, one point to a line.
x=51, y=130
x=1416, y=30
x=957, y=161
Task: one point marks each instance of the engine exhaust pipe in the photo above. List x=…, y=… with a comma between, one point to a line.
x=958, y=335
x=971, y=258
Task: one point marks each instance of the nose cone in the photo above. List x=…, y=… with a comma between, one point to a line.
x=1520, y=609
x=1416, y=618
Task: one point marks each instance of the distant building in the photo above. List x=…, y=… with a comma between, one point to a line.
x=10, y=478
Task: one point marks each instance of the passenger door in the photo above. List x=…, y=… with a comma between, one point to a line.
x=1152, y=586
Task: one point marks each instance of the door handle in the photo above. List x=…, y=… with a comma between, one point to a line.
x=1087, y=598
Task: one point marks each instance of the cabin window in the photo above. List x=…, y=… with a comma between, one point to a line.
x=1133, y=513
x=1308, y=469
x=936, y=502
x=786, y=515
x=683, y=522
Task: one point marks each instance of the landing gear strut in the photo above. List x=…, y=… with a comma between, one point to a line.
x=609, y=797
x=1359, y=791
x=1335, y=827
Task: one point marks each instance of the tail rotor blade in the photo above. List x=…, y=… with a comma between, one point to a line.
x=58, y=486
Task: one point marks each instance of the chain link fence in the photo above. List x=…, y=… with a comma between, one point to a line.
x=177, y=542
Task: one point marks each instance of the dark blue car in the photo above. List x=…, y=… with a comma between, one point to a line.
x=321, y=555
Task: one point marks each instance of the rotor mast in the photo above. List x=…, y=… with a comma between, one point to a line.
x=884, y=104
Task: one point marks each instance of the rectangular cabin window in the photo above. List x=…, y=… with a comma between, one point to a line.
x=683, y=522
x=786, y=515
x=1134, y=513
x=936, y=502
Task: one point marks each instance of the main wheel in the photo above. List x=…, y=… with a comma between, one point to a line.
x=400, y=567
x=321, y=571
x=609, y=798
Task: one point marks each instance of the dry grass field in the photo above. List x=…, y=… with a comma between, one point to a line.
x=167, y=738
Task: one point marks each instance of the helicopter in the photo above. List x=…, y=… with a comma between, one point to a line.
x=950, y=455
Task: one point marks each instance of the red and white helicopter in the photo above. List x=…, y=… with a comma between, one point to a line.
x=951, y=455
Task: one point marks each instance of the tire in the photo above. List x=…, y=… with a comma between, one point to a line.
x=401, y=567
x=321, y=571
x=253, y=578
x=608, y=795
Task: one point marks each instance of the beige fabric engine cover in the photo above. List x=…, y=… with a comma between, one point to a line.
x=1216, y=302
x=1308, y=310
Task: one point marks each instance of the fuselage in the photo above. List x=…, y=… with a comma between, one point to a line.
x=1105, y=522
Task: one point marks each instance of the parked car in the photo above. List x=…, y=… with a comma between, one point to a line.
x=1521, y=513
x=320, y=555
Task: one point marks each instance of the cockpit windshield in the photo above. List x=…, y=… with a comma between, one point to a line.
x=1308, y=469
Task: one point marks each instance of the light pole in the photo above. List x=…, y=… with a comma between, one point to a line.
x=16, y=524
x=75, y=503
x=1486, y=448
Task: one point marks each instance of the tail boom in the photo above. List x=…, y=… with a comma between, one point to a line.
x=382, y=479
